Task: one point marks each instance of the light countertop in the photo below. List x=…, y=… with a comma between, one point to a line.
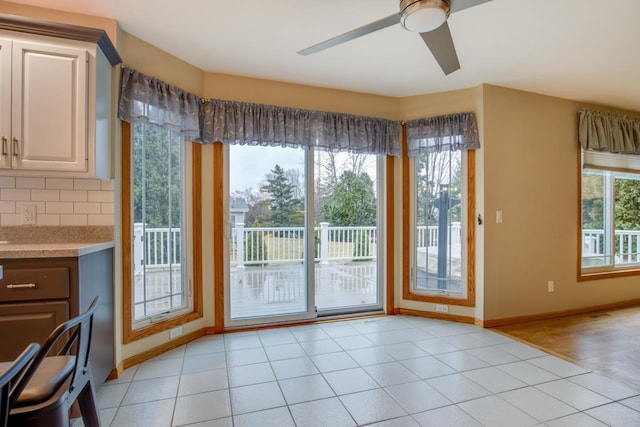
x=50, y=250
x=53, y=242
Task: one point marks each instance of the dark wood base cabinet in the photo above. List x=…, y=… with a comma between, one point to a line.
x=37, y=294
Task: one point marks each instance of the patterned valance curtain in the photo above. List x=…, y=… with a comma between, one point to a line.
x=442, y=133
x=268, y=125
x=609, y=132
x=148, y=100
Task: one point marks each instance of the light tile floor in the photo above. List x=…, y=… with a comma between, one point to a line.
x=394, y=371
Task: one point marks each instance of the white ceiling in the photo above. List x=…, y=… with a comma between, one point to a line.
x=586, y=50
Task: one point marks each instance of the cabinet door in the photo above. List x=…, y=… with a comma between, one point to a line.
x=5, y=103
x=49, y=107
x=22, y=324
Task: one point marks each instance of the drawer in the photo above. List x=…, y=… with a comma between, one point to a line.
x=31, y=284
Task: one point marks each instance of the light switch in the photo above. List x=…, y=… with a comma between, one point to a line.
x=498, y=217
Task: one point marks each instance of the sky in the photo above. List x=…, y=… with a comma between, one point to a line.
x=248, y=166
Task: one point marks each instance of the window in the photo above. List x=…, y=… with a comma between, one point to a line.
x=441, y=243
x=610, y=189
x=438, y=236
x=161, y=175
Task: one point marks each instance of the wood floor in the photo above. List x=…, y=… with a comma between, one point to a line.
x=605, y=341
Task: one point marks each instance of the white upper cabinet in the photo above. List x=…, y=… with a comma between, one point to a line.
x=49, y=107
x=55, y=106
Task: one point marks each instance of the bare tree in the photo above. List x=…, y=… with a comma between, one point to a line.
x=297, y=180
x=360, y=163
x=432, y=172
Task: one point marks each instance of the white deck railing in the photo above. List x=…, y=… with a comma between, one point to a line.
x=157, y=247
x=280, y=245
x=160, y=247
x=627, y=244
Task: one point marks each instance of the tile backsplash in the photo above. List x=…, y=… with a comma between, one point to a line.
x=58, y=201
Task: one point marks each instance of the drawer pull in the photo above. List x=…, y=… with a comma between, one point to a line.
x=22, y=286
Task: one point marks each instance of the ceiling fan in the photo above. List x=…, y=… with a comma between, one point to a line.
x=427, y=17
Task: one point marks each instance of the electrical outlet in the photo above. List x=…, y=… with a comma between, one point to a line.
x=175, y=332
x=551, y=286
x=441, y=308
x=29, y=214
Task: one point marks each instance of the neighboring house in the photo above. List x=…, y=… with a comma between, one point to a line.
x=237, y=208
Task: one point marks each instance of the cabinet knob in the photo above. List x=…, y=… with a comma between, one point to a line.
x=15, y=146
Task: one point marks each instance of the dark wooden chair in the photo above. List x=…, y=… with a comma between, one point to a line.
x=52, y=383
x=9, y=377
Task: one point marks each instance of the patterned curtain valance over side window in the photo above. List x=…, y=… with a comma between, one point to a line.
x=151, y=101
x=442, y=133
x=148, y=100
x=610, y=132
x=245, y=123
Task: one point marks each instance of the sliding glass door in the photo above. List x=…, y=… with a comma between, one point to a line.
x=304, y=234
x=346, y=216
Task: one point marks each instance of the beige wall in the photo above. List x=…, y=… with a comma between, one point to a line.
x=150, y=60
x=531, y=174
x=236, y=88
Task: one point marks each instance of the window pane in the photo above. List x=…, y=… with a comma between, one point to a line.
x=439, y=261
x=267, y=245
x=627, y=218
x=158, y=182
x=595, y=242
x=346, y=232
x=610, y=219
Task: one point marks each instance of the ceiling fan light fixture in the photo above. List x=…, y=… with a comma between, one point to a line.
x=422, y=16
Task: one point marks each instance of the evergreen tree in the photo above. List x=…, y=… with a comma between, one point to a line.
x=157, y=175
x=255, y=249
x=353, y=202
x=282, y=202
x=592, y=202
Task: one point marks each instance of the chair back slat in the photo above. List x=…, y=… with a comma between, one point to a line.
x=78, y=334
x=11, y=377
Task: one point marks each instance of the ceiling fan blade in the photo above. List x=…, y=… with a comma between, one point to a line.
x=353, y=34
x=440, y=44
x=458, y=5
